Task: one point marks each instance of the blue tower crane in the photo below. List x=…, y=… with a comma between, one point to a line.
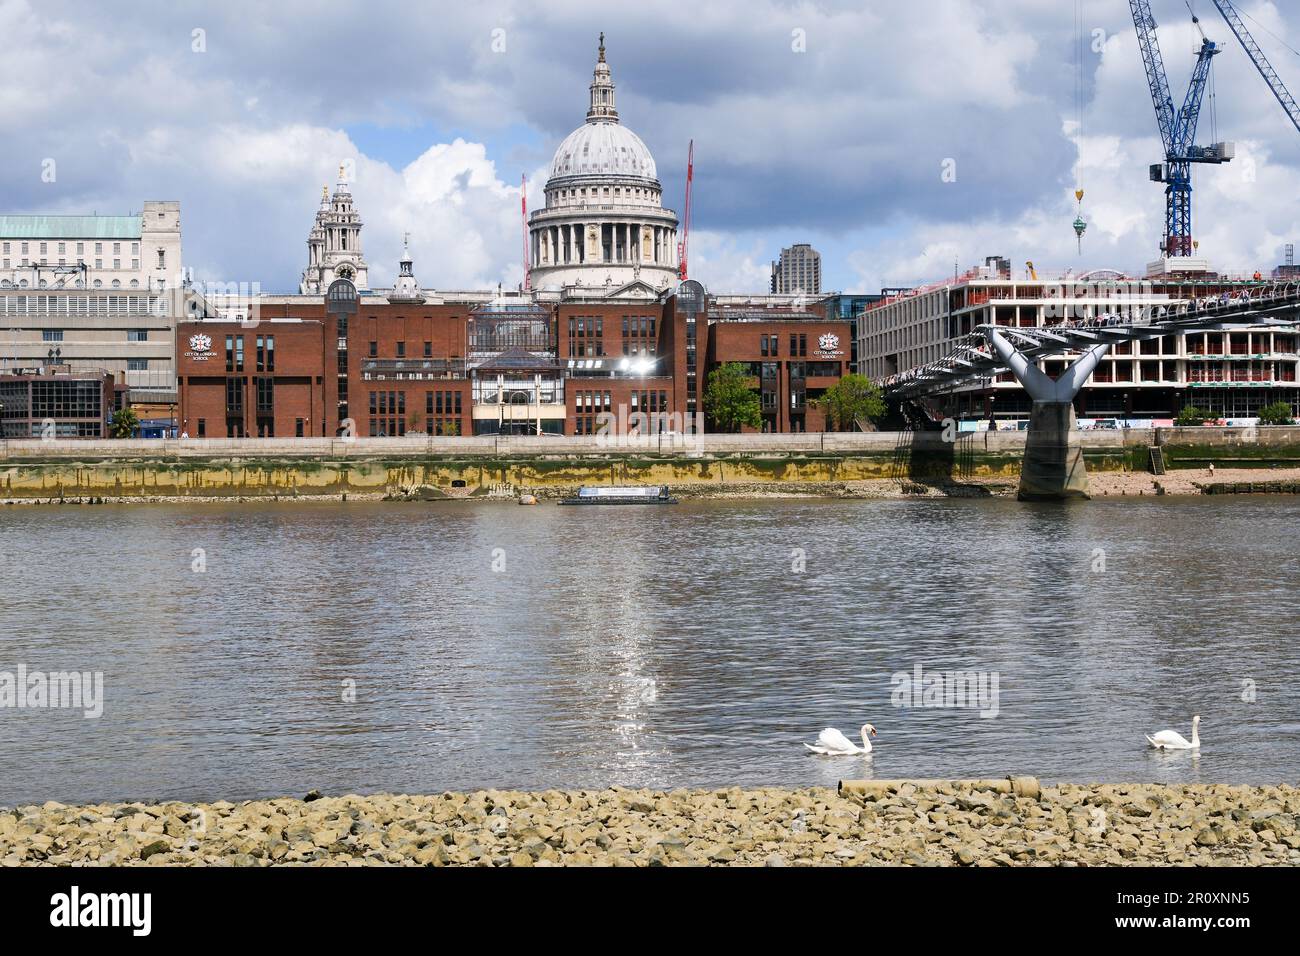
x=1260, y=60
x=1177, y=130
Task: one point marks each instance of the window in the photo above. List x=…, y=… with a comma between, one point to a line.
x=162, y=259
x=428, y=350
x=297, y=427
x=137, y=335
x=374, y=349
x=203, y=427
x=265, y=394
x=401, y=350
x=137, y=365
x=266, y=353
x=51, y=335
x=234, y=353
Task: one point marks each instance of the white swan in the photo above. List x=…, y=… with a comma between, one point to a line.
x=1173, y=740
x=834, y=744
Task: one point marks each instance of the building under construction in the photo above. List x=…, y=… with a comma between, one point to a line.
x=1230, y=374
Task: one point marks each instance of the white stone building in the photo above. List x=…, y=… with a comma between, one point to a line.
x=604, y=230
x=93, y=293
x=140, y=251
x=334, y=244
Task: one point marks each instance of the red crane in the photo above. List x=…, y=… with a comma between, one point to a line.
x=523, y=205
x=686, y=213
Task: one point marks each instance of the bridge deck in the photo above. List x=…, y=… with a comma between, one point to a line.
x=972, y=356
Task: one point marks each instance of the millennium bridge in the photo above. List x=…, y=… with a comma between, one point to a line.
x=1053, y=465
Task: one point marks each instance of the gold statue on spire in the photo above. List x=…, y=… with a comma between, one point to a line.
x=601, y=58
x=340, y=172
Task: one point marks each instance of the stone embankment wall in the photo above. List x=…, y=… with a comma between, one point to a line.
x=469, y=467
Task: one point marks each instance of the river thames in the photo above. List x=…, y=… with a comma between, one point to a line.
x=264, y=649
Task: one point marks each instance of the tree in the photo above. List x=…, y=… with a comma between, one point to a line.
x=854, y=397
x=124, y=423
x=1279, y=413
x=450, y=428
x=1191, y=415
x=729, y=401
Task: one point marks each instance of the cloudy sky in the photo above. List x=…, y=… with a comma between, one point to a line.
x=897, y=138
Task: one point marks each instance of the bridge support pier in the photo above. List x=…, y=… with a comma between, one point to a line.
x=1053, y=467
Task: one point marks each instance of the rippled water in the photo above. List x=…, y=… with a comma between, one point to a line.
x=655, y=646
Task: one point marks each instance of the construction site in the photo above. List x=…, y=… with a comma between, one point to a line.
x=933, y=345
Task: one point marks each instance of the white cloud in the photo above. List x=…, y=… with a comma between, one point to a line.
x=841, y=143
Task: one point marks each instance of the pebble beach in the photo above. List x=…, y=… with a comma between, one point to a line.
x=924, y=823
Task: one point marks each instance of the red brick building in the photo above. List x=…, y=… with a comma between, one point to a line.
x=55, y=402
x=488, y=364
x=265, y=379
x=793, y=357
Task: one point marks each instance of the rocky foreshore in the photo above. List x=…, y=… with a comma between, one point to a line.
x=894, y=823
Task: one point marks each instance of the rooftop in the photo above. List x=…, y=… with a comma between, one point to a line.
x=70, y=227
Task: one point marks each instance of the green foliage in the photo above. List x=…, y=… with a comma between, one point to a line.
x=1191, y=415
x=451, y=428
x=124, y=423
x=854, y=397
x=729, y=402
x=1279, y=413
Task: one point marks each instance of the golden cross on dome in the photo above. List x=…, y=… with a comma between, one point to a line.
x=340, y=172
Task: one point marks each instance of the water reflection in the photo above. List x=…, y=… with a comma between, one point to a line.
x=641, y=646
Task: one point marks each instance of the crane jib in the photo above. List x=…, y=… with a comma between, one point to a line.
x=1260, y=60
